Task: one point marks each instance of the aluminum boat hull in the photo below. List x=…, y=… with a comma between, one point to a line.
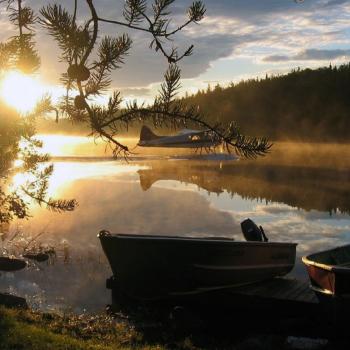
x=329, y=273
x=155, y=267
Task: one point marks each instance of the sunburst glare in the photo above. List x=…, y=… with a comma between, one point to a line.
x=21, y=91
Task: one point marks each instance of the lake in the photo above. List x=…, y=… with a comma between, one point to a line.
x=299, y=193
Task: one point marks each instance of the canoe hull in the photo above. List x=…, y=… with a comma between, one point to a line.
x=155, y=267
x=329, y=273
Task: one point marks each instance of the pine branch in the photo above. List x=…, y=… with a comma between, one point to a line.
x=180, y=116
x=171, y=85
x=158, y=27
x=74, y=41
x=22, y=54
x=94, y=34
x=23, y=17
x=112, y=51
x=60, y=26
x=196, y=11
x=61, y=205
x=55, y=205
x=133, y=10
x=106, y=121
x=111, y=54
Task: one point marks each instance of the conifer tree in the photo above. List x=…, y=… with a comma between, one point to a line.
x=17, y=132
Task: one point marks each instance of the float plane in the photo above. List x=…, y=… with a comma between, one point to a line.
x=184, y=139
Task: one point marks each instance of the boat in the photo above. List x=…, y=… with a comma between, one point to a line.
x=9, y=264
x=329, y=273
x=153, y=267
x=184, y=139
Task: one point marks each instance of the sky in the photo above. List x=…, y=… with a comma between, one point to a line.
x=238, y=39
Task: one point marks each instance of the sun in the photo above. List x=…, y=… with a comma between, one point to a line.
x=21, y=91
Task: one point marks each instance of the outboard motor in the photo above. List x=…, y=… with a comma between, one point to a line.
x=252, y=232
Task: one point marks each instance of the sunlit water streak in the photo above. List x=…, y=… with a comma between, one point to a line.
x=301, y=200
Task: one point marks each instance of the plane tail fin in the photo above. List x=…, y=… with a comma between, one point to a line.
x=147, y=134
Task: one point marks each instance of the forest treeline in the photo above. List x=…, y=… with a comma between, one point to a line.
x=305, y=104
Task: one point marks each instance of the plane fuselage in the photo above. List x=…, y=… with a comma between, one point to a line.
x=190, y=140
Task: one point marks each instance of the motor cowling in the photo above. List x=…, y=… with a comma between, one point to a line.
x=252, y=232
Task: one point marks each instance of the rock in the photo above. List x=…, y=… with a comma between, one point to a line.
x=301, y=343
x=250, y=344
x=261, y=342
x=184, y=319
x=11, y=264
x=40, y=257
x=10, y=300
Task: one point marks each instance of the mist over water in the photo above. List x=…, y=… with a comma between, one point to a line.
x=298, y=193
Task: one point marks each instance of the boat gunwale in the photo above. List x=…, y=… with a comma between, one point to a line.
x=128, y=236
x=336, y=268
x=322, y=266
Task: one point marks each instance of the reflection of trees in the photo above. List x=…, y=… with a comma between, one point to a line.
x=195, y=174
x=323, y=189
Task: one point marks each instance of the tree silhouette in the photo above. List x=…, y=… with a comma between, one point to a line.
x=303, y=105
x=17, y=132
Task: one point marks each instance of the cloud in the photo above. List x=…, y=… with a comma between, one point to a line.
x=254, y=29
x=277, y=209
x=138, y=91
x=310, y=55
x=335, y=2
x=144, y=66
x=251, y=9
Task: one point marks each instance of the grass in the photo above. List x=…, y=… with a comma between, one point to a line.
x=28, y=330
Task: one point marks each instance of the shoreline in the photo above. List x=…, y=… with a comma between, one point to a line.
x=32, y=330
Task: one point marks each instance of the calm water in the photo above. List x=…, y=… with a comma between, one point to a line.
x=298, y=193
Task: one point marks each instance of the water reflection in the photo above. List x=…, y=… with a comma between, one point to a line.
x=118, y=204
x=326, y=190
x=291, y=193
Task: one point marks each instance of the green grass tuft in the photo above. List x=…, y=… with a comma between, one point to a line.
x=33, y=331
